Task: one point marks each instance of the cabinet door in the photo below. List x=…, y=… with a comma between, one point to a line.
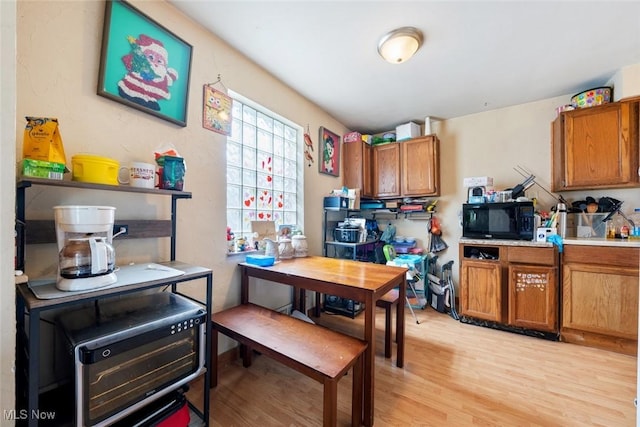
x=533, y=297
x=481, y=290
x=600, y=299
x=386, y=170
x=356, y=157
x=596, y=147
x=420, y=167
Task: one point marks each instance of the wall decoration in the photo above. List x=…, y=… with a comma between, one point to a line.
x=144, y=65
x=216, y=111
x=308, y=147
x=329, y=152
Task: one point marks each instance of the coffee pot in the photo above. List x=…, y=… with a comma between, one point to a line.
x=86, y=258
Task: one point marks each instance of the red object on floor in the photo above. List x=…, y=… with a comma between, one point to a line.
x=180, y=418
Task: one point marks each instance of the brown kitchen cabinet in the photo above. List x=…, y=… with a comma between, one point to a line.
x=410, y=168
x=512, y=285
x=420, y=167
x=386, y=170
x=600, y=297
x=596, y=147
x=356, y=157
x=481, y=289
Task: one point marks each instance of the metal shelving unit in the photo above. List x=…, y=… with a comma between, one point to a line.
x=29, y=308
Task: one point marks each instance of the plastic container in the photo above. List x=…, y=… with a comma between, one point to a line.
x=591, y=225
x=260, y=260
x=95, y=169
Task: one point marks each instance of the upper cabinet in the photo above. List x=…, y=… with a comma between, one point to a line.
x=596, y=147
x=357, y=166
x=420, y=167
x=409, y=168
x=386, y=170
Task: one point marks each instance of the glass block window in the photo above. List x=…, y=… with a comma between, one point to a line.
x=264, y=175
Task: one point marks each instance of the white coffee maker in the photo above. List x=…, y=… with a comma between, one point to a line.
x=86, y=258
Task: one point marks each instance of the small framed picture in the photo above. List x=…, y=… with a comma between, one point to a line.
x=285, y=231
x=329, y=152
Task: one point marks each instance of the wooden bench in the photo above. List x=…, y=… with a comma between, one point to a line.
x=315, y=351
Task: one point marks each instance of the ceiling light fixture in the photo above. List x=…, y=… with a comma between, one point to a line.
x=399, y=45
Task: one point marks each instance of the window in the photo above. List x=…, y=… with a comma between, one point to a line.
x=264, y=168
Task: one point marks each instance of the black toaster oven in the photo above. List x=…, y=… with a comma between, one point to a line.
x=128, y=352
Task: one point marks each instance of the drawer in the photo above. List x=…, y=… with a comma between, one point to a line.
x=536, y=256
x=607, y=255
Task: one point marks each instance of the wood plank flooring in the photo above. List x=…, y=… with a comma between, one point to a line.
x=455, y=375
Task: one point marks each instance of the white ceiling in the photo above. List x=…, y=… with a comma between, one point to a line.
x=477, y=55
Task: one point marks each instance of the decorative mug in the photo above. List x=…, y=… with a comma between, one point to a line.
x=138, y=174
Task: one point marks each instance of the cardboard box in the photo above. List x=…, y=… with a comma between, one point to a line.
x=352, y=137
x=543, y=232
x=407, y=131
x=336, y=202
x=41, y=169
x=478, y=181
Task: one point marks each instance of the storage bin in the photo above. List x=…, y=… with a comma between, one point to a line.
x=591, y=225
x=352, y=137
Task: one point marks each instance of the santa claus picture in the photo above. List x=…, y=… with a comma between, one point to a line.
x=149, y=77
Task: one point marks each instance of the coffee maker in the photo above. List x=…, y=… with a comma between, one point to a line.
x=86, y=258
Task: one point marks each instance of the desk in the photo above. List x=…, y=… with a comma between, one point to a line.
x=360, y=281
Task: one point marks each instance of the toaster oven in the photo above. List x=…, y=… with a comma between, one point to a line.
x=126, y=353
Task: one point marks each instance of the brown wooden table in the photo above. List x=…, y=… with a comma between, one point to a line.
x=360, y=281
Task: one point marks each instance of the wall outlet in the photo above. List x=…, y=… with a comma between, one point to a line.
x=120, y=229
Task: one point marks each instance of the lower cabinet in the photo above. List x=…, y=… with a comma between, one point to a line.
x=533, y=297
x=600, y=297
x=509, y=285
x=481, y=290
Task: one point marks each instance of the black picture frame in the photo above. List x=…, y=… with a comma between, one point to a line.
x=144, y=65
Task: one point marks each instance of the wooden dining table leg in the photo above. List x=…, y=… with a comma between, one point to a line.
x=400, y=324
x=369, y=360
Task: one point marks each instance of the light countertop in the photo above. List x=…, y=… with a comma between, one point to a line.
x=600, y=241
x=592, y=241
x=501, y=242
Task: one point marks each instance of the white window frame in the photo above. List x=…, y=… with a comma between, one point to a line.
x=299, y=160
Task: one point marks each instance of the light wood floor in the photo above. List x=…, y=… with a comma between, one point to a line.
x=455, y=374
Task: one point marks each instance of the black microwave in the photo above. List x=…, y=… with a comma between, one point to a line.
x=510, y=220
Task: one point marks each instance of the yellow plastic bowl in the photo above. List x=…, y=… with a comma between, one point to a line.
x=95, y=169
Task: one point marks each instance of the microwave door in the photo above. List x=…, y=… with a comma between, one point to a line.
x=475, y=222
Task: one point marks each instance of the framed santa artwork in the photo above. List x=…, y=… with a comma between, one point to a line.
x=143, y=65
